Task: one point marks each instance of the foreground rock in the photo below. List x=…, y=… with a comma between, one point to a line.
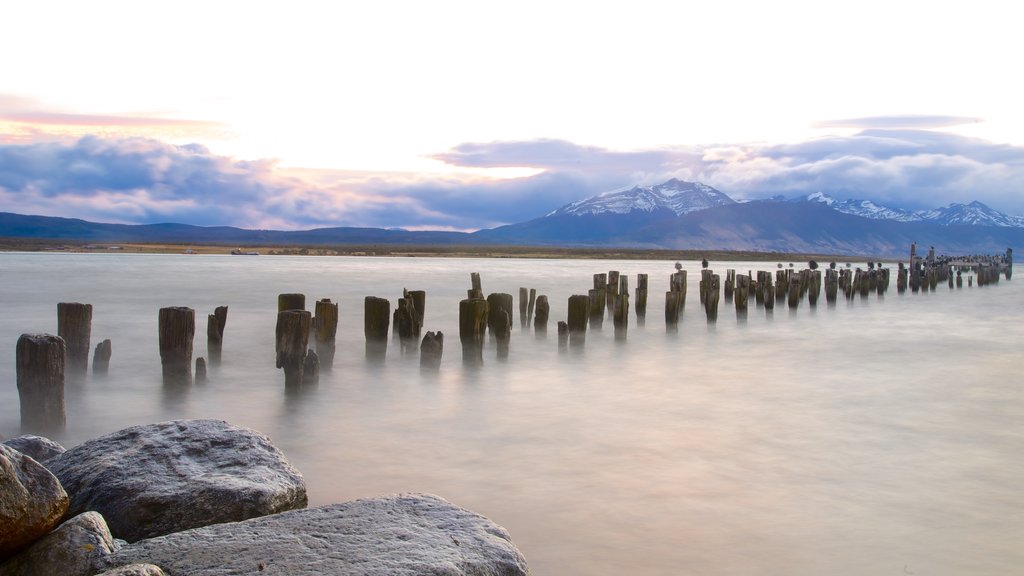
x=135, y=570
x=70, y=550
x=32, y=501
x=411, y=534
x=162, y=478
x=39, y=448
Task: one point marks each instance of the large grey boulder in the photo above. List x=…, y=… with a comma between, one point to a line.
x=70, y=550
x=39, y=448
x=411, y=534
x=161, y=478
x=32, y=501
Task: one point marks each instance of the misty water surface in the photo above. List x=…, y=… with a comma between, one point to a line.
x=880, y=436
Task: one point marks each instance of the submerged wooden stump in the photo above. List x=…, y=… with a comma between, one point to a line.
x=376, y=314
x=741, y=292
x=711, y=298
x=292, y=334
x=497, y=303
x=794, y=294
x=597, y=308
x=101, y=358
x=431, y=350
x=620, y=314
x=540, y=320
x=74, y=325
x=502, y=331
x=524, y=304
x=215, y=324
x=641, y=299
x=310, y=369
x=177, y=326
x=563, y=335
x=406, y=325
x=532, y=306
x=730, y=283
x=325, y=332
x=291, y=302
x=472, y=325
x=200, y=370
x=831, y=286
x=40, y=361
x=579, y=315
x=612, y=290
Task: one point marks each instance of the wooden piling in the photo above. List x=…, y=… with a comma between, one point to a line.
x=767, y=293
x=476, y=291
x=419, y=303
x=406, y=325
x=579, y=313
x=497, y=303
x=524, y=305
x=472, y=325
x=741, y=292
x=74, y=325
x=730, y=283
x=532, y=306
x=620, y=312
x=540, y=320
x=641, y=299
x=291, y=302
x=431, y=350
x=376, y=313
x=831, y=285
x=101, y=358
x=200, y=370
x=597, y=308
x=502, y=330
x=563, y=335
x=215, y=324
x=292, y=334
x=325, y=332
x=794, y=294
x=711, y=297
x=40, y=362
x=177, y=326
x=613, y=289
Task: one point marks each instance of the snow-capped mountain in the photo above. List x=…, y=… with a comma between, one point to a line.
x=677, y=196
x=973, y=214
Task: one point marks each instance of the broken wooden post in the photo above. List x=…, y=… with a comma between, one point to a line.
x=579, y=313
x=101, y=358
x=641, y=299
x=292, y=333
x=741, y=293
x=325, y=331
x=532, y=306
x=291, y=302
x=613, y=289
x=540, y=320
x=794, y=293
x=598, y=301
x=406, y=325
x=814, y=288
x=419, y=302
x=563, y=335
x=767, y=293
x=831, y=286
x=497, y=303
x=502, y=330
x=431, y=350
x=901, y=279
x=476, y=291
x=74, y=325
x=177, y=326
x=215, y=324
x=472, y=325
x=310, y=369
x=200, y=370
x=730, y=283
x=959, y=279
x=524, y=304
x=40, y=375
x=376, y=313
x=620, y=312
x=711, y=298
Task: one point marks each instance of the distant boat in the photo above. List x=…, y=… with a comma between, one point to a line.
x=240, y=252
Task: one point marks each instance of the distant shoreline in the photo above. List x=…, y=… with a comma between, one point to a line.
x=436, y=251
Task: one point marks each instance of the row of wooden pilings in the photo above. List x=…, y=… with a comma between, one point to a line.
x=43, y=359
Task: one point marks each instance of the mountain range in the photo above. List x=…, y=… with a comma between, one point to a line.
x=672, y=215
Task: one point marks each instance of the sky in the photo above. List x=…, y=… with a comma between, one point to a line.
x=465, y=115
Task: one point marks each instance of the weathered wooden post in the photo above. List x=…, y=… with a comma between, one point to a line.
x=531, y=307
x=177, y=326
x=40, y=374
x=215, y=324
x=641, y=299
x=292, y=334
x=831, y=286
x=579, y=313
x=325, y=331
x=563, y=335
x=730, y=283
x=540, y=320
x=431, y=350
x=711, y=298
x=291, y=302
x=502, y=330
x=620, y=313
x=406, y=325
x=200, y=370
x=1008, y=260
x=612, y=290
x=597, y=308
x=675, y=299
x=767, y=293
x=101, y=358
x=814, y=290
x=524, y=304
x=901, y=279
x=476, y=291
x=497, y=303
x=794, y=293
x=310, y=369
x=959, y=279
x=376, y=313
x=74, y=325
x=472, y=325
x=419, y=302
x=740, y=293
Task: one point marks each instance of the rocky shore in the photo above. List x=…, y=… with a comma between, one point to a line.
x=204, y=497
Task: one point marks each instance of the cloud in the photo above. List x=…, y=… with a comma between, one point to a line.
x=915, y=122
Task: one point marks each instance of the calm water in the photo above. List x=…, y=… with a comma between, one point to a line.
x=882, y=436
